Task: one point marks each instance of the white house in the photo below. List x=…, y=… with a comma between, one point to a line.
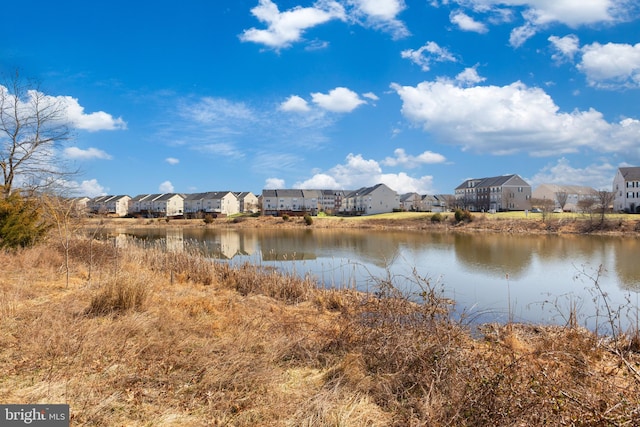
x=626, y=186
x=371, y=200
x=212, y=202
x=168, y=204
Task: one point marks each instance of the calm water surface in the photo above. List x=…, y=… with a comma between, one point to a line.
x=539, y=277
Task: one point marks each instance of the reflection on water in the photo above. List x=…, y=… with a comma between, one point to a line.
x=476, y=269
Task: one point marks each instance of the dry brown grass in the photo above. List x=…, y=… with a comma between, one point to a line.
x=155, y=338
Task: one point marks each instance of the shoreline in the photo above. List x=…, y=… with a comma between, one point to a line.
x=617, y=225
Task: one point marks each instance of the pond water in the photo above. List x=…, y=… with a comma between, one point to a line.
x=490, y=276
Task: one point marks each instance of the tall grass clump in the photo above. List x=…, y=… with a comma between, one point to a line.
x=251, y=279
x=120, y=294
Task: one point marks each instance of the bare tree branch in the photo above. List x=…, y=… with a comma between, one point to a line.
x=32, y=125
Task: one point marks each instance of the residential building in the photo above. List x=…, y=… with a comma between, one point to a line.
x=80, y=205
x=371, y=200
x=157, y=205
x=249, y=203
x=498, y=193
x=136, y=203
x=109, y=205
x=311, y=201
x=410, y=202
x=277, y=202
x=626, y=186
x=565, y=197
x=364, y=201
x=433, y=203
x=331, y=201
x=168, y=204
x=212, y=202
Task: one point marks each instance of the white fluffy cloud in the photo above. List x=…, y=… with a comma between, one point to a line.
x=93, y=121
x=88, y=188
x=538, y=14
x=611, y=64
x=403, y=159
x=338, y=100
x=285, y=28
x=70, y=111
x=88, y=154
x=510, y=119
x=274, y=183
x=91, y=188
x=381, y=14
x=172, y=160
x=597, y=176
x=166, y=187
x=427, y=54
x=359, y=172
x=288, y=27
x=295, y=103
x=469, y=76
x=566, y=47
x=467, y=23
x=572, y=13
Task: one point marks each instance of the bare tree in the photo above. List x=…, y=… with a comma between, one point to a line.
x=603, y=202
x=545, y=206
x=63, y=213
x=32, y=124
x=561, y=198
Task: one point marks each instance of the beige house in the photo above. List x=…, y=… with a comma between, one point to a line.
x=626, y=186
x=498, y=193
x=564, y=197
x=109, y=205
x=248, y=202
x=212, y=202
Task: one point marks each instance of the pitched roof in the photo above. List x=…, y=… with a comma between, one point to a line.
x=630, y=173
x=493, y=181
x=289, y=193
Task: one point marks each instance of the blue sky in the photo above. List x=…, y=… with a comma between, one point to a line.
x=243, y=95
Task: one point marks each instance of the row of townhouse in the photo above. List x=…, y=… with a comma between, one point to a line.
x=511, y=192
x=364, y=201
x=498, y=193
x=175, y=204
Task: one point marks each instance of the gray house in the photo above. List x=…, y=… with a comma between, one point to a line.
x=498, y=193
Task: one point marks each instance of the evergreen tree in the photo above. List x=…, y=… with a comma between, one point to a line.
x=21, y=222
